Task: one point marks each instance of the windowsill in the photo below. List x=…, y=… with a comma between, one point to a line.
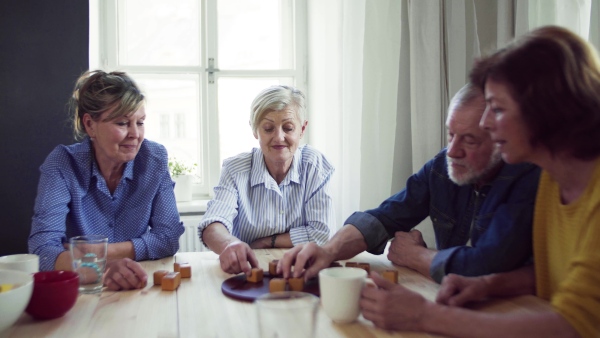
x=193, y=207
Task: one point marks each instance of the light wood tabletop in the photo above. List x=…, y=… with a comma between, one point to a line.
x=199, y=308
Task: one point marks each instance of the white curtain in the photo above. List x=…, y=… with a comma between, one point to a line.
x=381, y=74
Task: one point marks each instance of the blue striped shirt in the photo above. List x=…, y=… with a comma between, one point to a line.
x=73, y=199
x=251, y=205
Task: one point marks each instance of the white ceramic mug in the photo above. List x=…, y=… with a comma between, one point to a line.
x=22, y=262
x=340, y=289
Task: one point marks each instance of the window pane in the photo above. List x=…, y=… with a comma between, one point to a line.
x=255, y=34
x=159, y=33
x=172, y=119
x=235, y=98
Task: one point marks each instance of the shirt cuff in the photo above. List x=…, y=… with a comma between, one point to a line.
x=141, y=250
x=439, y=265
x=372, y=230
x=208, y=221
x=48, y=257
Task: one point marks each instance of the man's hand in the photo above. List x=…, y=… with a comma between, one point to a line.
x=124, y=274
x=457, y=290
x=238, y=257
x=392, y=306
x=408, y=249
x=307, y=259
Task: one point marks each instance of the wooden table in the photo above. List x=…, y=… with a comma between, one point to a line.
x=199, y=308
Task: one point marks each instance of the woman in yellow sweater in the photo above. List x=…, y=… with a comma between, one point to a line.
x=543, y=106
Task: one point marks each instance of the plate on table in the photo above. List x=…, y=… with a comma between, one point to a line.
x=238, y=288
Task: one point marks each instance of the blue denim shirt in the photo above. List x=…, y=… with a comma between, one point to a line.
x=501, y=213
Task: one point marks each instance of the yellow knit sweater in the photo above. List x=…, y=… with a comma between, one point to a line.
x=566, y=244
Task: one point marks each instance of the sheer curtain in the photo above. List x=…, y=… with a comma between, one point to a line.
x=381, y=74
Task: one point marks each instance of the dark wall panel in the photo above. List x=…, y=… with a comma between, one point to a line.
x=43, y=48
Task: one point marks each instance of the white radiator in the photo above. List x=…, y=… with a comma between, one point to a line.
x=189, y=241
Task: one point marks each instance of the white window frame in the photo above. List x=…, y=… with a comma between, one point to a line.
x=104, y=53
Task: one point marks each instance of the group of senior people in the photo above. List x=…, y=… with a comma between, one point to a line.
x=511, y=198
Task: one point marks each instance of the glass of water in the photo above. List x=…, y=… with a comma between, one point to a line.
x=287, y=314
x=89, y=261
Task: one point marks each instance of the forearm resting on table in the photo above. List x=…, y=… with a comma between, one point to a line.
x=115, y=251
x=458, y=322
x=121, y=250
x=422, y=260
x=217, y=237
x=346, y=243
x=281, y=241
x=512, y=283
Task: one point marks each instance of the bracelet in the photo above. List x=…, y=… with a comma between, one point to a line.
x=273, y=240
x=92, y=265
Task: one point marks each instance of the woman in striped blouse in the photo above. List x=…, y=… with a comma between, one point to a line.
x=275, y=196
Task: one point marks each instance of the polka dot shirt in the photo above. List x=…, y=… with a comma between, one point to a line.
x=73, y=199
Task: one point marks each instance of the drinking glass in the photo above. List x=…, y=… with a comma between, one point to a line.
x=89, y=261
x=287, y=314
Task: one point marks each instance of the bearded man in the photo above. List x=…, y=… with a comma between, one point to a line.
x=480, y=207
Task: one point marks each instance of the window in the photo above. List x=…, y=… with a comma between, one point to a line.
x=200, y=64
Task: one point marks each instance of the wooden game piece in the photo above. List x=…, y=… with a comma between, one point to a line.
x=277, y=284
x=171, y=281
x=177, y=266
x=273, y=267
x=256, y=276
x=185, y=269
x=296, y=284
x=158, y=276
x=335, y=265
x=351, y=264
x=391, y=275
x=365, y=266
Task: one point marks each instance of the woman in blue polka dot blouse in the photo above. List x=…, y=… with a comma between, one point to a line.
x=275, y=196
x=114, y=183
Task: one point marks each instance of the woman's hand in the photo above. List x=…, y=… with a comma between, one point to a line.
x=458, y=290
x=238, y=257
x=124, y=274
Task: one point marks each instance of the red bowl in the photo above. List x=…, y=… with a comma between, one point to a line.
x=54, y=293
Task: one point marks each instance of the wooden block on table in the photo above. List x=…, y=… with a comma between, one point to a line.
x=296, y=284
x=365, y=266
x=171, y=281
x=351, y=264
x=273, y=267
x=158, y=276
x=256, y=276
x=277, y=284
x=177, y=266
x=185, y=269
x=335, y=265
x=391, y=275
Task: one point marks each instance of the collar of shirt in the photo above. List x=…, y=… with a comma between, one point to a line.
x=127, y=171
x=260, y=175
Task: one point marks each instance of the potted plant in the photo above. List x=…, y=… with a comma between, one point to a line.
x=183, y=176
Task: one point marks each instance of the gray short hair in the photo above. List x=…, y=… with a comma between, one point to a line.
x=468, y=95
x=276, y=98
